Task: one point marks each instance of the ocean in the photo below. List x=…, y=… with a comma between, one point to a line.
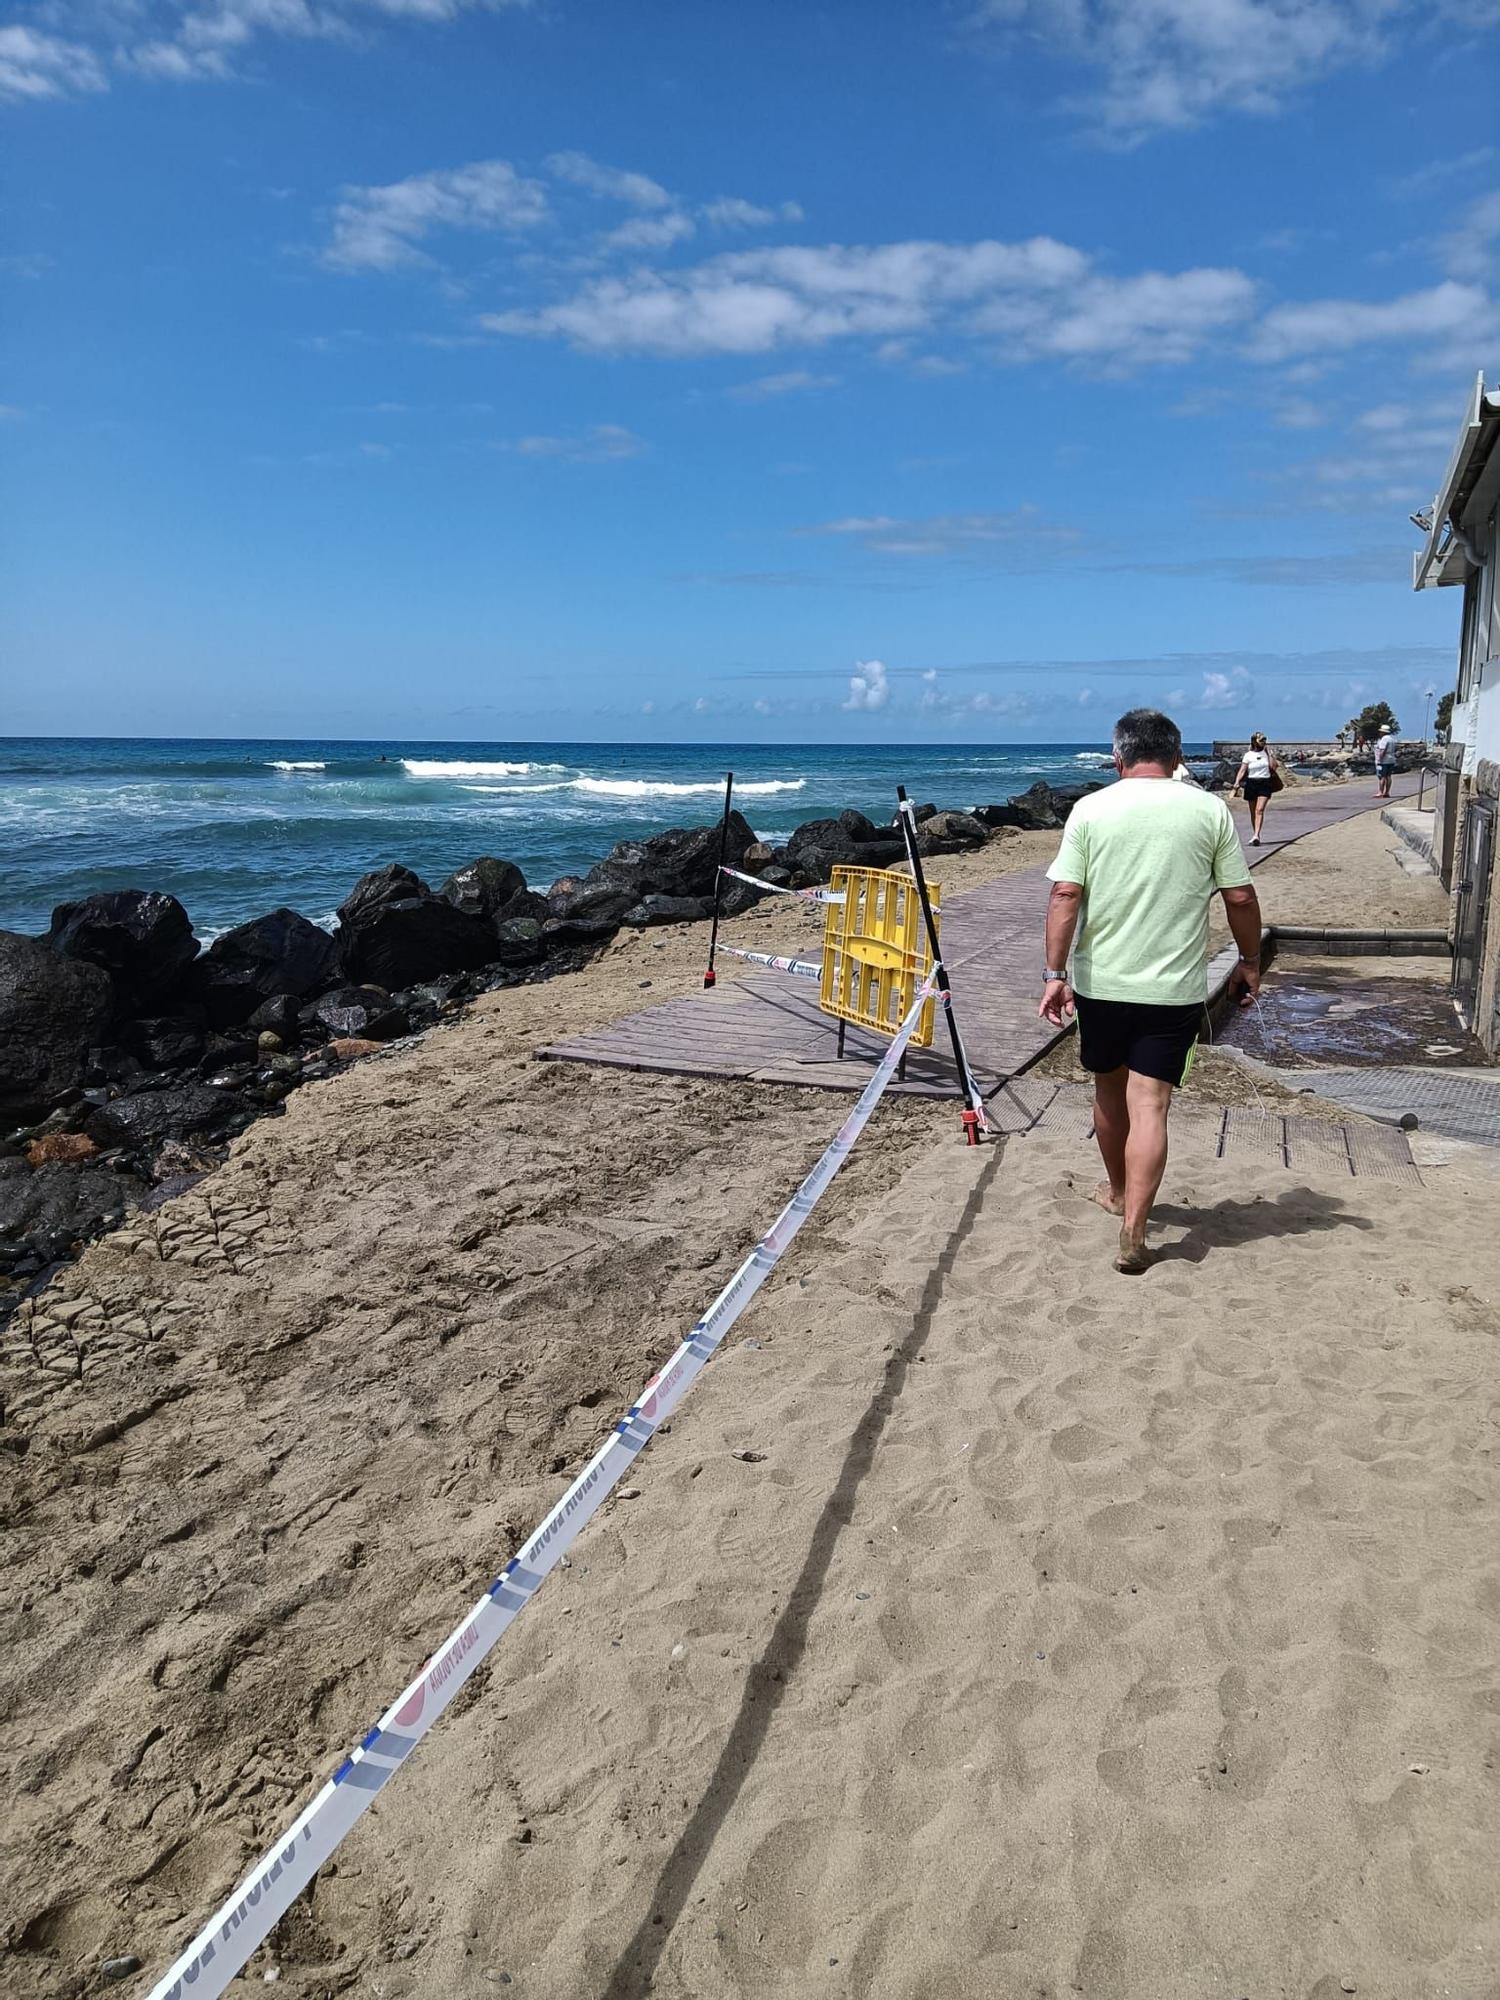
x=234, y=828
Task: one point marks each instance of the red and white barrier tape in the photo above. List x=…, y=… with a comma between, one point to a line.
x=268, y=1891
x=775, y=888
x=805, y=968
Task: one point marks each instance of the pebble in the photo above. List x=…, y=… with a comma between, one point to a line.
x=1347, y=1986
x=119, y=1968
x=628, y=1493
x=1419, y=1770
x=749, y=1457
x=679, y=1651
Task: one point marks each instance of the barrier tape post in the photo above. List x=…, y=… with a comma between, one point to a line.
x=275, y=1881
x=974, y=1119
x=710, y=976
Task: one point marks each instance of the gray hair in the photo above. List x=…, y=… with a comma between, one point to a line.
x=1146, y=736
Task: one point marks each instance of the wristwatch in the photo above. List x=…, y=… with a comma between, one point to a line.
x=1050, y=972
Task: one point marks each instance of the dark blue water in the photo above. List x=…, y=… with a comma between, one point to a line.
x=233, y=828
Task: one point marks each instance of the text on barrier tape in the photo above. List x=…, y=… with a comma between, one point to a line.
x=273, y=1884
x=805, y=968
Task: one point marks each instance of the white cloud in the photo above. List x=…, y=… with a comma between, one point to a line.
x=378, y=228
x=11, y=413
x=761, y=706
x=1472, y=250
x=651, y=232
x=791, y=382
x=1225, y=690
x=1169, y=64
x=1020, y=536
x=1038, y=298
x=1155, y=318
x=1441, y=316
x=611, y=183
x=868, y=687
x=36, y=65
x=730, y=212
x=600, y=445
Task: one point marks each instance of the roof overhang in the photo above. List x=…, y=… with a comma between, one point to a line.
x=1443, y=558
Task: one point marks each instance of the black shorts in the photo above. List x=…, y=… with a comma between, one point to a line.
x=1153, y=1041
x=1258, y=788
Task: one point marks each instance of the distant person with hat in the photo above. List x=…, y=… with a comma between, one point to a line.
x=1385, y=762
x=1139, y=865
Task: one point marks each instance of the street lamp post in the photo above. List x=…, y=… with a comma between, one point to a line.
x=1422, y=781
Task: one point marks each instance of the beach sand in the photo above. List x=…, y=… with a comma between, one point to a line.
x=1074, y=1633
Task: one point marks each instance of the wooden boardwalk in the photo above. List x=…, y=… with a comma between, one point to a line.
x=766, y=1028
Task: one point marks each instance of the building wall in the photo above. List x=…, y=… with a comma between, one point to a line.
x=1476, y=737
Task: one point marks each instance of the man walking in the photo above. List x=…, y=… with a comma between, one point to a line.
x=1139, y=864
x=1385, y=762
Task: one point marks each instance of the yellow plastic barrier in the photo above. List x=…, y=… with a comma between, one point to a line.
x=875, y=952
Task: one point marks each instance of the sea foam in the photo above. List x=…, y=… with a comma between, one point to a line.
x=423, y=767
x=651, y=788
x=283, y=764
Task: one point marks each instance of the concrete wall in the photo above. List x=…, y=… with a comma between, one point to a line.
x=1484, y=1015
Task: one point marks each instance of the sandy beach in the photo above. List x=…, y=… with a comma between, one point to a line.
x=1058, y=1634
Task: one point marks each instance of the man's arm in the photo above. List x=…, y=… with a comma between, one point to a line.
x=1242, y=907
x=1063, y=906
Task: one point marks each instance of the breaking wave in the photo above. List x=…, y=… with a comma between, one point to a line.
x=664, y=788
x=287, y=764
x=425, y=767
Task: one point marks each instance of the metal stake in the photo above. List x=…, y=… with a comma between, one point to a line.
x=710, y=976
x=975, y=1121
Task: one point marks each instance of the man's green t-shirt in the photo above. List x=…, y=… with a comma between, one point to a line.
x=1149, y=856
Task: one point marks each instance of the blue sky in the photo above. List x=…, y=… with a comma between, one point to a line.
x=769, y=372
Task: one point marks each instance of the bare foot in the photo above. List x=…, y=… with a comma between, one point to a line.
x=1132, y=1257
x=1108, y=1200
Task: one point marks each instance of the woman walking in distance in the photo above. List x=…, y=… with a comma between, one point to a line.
x=1259, y=776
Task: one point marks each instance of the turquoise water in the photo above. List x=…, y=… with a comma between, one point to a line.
x=234, y=828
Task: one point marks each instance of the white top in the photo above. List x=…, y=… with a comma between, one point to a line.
x=1383, y=747
x=1257, y=763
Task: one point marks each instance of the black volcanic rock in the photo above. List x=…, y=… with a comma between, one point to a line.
x=271, y=955
x=145, y=1118
x=485, y=888
x=819, y=846
x=950, y=833
x=165, y=1041
x=47, y=1211
x=53, y=1010
x=683, y=861
x=278, y=1016
x=142, y=939
x=366, y=1011
x=394, y=932
x=657, y=909
x=520, y=940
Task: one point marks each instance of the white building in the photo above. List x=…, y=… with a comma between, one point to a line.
x=1463, y=548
